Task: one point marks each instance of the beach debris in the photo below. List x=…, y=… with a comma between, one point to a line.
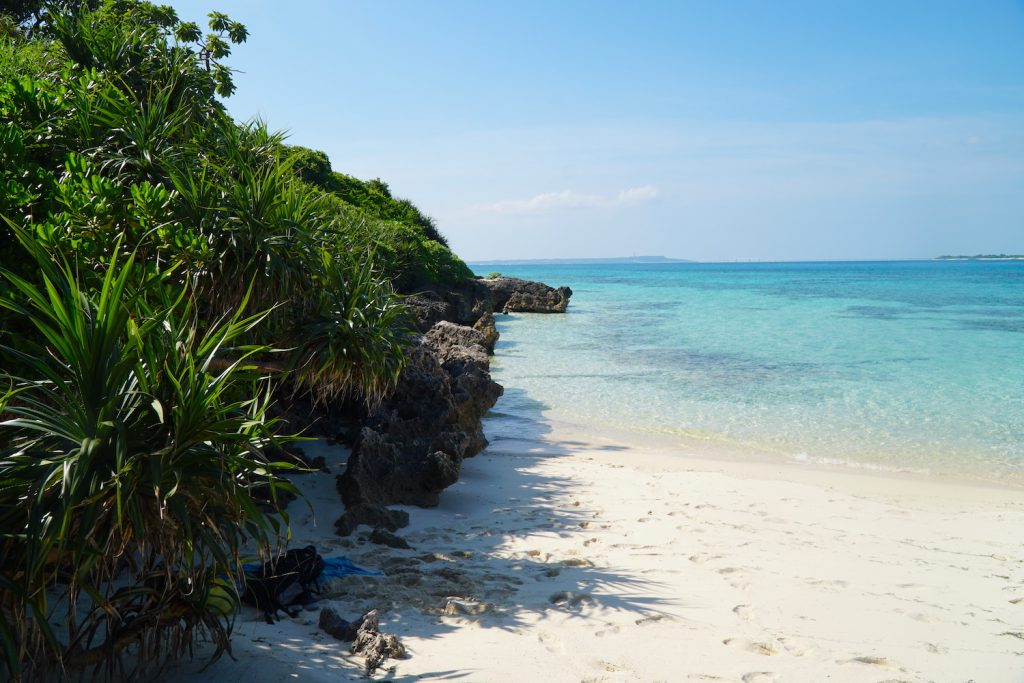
x=385, y=537
x=373, y=644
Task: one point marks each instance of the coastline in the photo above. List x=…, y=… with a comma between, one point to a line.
x=663, y=450
x=578, y=552
x=562, y=558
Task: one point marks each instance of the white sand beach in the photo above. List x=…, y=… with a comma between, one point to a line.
x=595, y=562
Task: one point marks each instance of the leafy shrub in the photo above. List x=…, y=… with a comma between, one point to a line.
x=131, y=464
x=170, y=249
x=355, y=335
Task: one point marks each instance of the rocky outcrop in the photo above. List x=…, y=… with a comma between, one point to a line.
x=463, y=304
x=485, y=326
x=513, y=295
x=412, y=446
x=462, y=352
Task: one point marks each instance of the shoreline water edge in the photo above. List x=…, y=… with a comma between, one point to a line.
x=561, y=555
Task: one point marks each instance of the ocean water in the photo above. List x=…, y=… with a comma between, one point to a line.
x=908, y=366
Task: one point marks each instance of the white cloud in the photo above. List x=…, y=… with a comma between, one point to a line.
x=567, y=199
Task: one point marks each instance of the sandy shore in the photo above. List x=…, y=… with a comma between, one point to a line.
x=596, y=562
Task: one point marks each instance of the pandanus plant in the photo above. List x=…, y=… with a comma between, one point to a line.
x=133, y=471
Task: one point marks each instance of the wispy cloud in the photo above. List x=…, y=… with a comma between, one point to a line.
x=567, y=199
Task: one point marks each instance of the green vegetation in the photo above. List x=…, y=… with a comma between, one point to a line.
x=408, y=243
x=982, y=257
x=164, y=270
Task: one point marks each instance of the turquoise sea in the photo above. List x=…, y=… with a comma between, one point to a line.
x=905, y=366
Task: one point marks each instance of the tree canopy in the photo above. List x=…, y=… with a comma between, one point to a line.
x=162, y=269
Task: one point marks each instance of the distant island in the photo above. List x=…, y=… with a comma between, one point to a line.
x=983, y=257
x=570, y=261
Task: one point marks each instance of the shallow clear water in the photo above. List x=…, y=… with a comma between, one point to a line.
x=889, y=365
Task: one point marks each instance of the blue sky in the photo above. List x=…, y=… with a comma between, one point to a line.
x=703, y=130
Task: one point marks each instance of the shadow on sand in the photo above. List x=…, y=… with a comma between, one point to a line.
x=472, y=560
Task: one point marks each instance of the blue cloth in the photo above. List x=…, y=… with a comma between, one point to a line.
x=333, y=567
x=339, y=566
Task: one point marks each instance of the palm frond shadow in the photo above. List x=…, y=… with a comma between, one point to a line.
x=486, y=547
x=485, y=553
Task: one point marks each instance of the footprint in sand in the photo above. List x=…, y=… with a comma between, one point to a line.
x=744, y=612
x=653, y=618
x=701, y=558
x=570, y=599
x=796, y=647
x=736, y=577
x=881, y=662
x=577, y=562
x=919, y=616
x=760, y=677
x=551, y=643
x=768, y=648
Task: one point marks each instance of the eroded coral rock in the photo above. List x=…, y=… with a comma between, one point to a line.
x=374, y=645
x=512, y=295
x=411, y=447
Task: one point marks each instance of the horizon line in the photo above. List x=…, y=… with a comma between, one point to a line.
x=627, y=260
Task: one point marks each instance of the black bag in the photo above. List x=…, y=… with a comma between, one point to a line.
x=285, y=582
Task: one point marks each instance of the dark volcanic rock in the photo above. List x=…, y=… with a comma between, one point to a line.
x=463, y=304
x=411, y=447
x=463, y=355
x=511, y=294
x=332, y=623
x=370, y=515
x=382, y=537
x=485, y=326
x=374, y=645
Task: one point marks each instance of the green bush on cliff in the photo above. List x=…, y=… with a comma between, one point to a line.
x=401, y=248
x=372, y=196
x=162, y=266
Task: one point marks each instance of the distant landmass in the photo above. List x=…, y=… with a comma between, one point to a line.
x=983, y=257
x=612, y=259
